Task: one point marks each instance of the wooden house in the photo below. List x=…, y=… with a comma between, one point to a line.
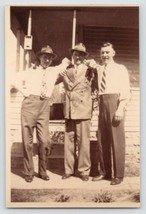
x=31, y=27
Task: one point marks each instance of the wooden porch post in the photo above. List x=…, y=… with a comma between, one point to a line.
x=74, y=29
x=27, y=52
x=18, y=50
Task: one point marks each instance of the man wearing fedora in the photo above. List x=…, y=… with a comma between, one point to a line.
x=77, y=80
x=36, y=85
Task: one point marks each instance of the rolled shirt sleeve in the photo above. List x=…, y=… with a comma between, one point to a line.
x=124, y=83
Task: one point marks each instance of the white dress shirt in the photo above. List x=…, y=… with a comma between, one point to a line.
x=30, y=81
x=117, y=80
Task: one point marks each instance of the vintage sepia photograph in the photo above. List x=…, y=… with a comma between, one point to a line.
x=72, y=96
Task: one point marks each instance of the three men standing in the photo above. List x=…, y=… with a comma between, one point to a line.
x=114, y=91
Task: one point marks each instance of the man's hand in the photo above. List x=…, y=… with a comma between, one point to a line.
x=119, y=115
x=62, y=73
x=65, y=63
x=62, y=67
x=48, y=149
x=91, y=63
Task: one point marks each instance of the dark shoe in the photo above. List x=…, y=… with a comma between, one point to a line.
x=107, y=177
x=44, y=177
x=85, y=177
x=116, y=181
x=66, y=176
x=98, y=178
x=29, y=178
x=101, y=177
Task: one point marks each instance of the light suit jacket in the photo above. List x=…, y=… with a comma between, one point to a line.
x=78, y=100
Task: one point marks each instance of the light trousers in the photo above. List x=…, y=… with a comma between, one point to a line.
x=35, y=114
x=77, y=143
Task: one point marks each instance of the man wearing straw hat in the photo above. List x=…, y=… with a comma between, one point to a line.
x=77, y=80
x=36, y=85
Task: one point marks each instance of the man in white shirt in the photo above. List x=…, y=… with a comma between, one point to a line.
x=36, y=85
x=114, y=93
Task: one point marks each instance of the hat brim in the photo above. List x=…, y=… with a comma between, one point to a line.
x=38, y=54
x=85, y=53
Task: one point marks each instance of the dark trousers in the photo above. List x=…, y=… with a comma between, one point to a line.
x=77, y=136
x=35, y=114
x=111, y=134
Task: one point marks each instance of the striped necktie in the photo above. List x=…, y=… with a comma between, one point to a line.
x=103, y=80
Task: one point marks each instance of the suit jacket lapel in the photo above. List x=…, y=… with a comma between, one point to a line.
x=80, y=74
x=70, y=73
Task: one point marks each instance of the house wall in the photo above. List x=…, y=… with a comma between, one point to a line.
x=15, y=62
x=56, y=129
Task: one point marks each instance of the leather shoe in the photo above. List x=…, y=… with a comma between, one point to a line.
x=29, y=178
x=44, y=177
x=98, y=178
x=107, y=177
x=116, y=181
x=85, y=177
x=101, y=177
x=66, y=176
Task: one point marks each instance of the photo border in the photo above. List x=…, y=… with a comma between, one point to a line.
x=142, y=6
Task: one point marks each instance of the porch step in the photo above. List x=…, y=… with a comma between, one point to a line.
x=55, y=159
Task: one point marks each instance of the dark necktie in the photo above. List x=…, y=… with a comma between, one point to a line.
x=103, y=81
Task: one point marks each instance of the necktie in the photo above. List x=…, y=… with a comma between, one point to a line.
x=44, y=86
x=75, y=72
x=103, y=81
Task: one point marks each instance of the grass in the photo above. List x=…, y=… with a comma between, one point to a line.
x=68, y=195
x=103, y=197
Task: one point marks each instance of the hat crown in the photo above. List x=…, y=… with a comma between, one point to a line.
x=80, y=47
x=46, y=49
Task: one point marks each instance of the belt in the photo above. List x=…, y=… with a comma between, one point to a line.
x=108, y=95
x=39, y=97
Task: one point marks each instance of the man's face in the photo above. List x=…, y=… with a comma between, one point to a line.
x=78, y=57
x=107, y=54
x=45, y=60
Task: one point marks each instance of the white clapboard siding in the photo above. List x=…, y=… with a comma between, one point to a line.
x=132, y=119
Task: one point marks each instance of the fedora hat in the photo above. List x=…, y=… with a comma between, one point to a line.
x=79, y=47
x=46, y=50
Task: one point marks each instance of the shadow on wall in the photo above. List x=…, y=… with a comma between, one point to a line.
x=56, y=111
x=55, y=159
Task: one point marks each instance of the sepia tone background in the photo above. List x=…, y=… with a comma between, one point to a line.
x=55, y=26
